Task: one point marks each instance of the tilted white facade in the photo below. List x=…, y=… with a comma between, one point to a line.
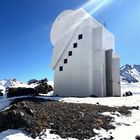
x=83, y=58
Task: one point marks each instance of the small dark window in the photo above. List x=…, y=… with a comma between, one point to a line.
x=60, y=68
x=80, y=36
x=70, y=53
x=75, y=45
x=65, y=61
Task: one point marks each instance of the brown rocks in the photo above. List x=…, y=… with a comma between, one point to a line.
x=43, y=87
x=65, y=119
x=12, y=92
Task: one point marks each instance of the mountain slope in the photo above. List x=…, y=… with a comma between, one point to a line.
x=9, y=83
x=130, y=73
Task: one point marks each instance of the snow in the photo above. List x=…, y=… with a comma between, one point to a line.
x=130, y=124
x=19, y=135
x=4, y=103
x=49, y=136
x=130, y=73
x=127, y=127
x=133, y=87
x=51, y=83
x=13, y=135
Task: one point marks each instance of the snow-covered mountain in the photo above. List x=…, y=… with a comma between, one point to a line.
x=13, y=83
x=130, y=73
x=9, y=83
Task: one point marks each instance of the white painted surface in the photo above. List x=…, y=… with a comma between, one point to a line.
x=85, y=72
x=116, y=75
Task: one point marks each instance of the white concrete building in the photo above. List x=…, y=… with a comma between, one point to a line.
x=84, y=60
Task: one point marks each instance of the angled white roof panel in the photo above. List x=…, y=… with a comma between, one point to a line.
x=66, y=24
x=67, y=21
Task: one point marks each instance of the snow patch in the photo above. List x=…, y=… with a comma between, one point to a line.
x=127, y=128
x=13, y=135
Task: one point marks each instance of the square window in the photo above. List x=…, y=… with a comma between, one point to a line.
x=70, y=53
x=60, y=68
x=80, y=36
x=75, y=45
x=65, y=61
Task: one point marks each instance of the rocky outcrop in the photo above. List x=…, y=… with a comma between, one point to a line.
x=12, y=92
x=1, y=94
x=34, y=115
x=43, y=87
x=128, y=93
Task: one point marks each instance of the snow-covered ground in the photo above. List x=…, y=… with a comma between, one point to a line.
x=133, y=87
x=127, y=128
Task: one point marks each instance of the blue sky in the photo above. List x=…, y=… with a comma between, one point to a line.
x=25, y=47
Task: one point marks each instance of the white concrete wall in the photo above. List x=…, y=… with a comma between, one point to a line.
x=108, y=40
x=98, y=62
x=116, y=75
x=74, y=79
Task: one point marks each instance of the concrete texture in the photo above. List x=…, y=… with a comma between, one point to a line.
x=84, y=74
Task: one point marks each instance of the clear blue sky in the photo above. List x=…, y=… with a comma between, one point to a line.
x=25, y=48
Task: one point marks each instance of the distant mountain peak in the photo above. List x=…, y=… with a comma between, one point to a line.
x=130, y=73
x=9, y=83
x=127, y=66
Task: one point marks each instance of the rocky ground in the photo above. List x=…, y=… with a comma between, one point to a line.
x=34, y=115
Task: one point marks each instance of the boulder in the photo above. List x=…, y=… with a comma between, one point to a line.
x=137, y=137
x=1, y=94
x=128, y=93
x=12, y=92
x=43, y=87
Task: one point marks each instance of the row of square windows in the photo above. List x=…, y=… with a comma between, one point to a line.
x=70, y=52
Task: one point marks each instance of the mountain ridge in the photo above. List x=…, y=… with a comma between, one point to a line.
x=130, y=73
